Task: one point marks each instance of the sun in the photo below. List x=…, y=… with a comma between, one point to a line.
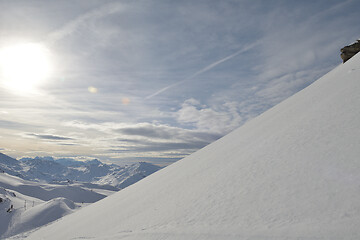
x=24, y=67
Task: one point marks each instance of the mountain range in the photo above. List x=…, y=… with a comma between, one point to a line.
x=37, y=191
x=65, y=170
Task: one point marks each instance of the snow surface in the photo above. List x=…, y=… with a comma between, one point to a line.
x=45, y=192
x=41, y=214
x=54, y=187
x=37, y=204
x=291, y=173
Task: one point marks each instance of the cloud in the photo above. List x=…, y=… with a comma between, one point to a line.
x=305, y=43
x=145, y=146
x=165, y=132
x=278, y=89
x=221, y=120
x=153, y=131
x=49, y=137
x=205, y=69
x=83, y=19
x=68, y=144
x=147, y=130
x=147, y=139
x=13, y=124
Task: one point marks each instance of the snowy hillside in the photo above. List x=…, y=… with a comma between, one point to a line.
x=25, y=205
x=66, y=170
x=54, y=186
x=47, y=192
x=291, y=173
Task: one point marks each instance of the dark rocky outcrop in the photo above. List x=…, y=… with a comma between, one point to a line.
x=349, y=51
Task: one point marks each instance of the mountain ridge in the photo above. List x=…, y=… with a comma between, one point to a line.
x=69, y=170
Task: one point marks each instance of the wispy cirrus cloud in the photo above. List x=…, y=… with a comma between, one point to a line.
x=205, y=69
x=48, y=137
x=6, y=124
x=221, y=119
x=78, y=22
x=147, y=146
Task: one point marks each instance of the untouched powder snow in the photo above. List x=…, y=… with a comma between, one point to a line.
x=25, y=205
x=47, y=192
x=39, y=215
x=291, y=173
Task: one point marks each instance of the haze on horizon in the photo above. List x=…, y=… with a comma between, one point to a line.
x=125, y=81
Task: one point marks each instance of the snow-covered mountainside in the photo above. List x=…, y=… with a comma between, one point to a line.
x=45, y=192
x=128, y=175
x=66, y=170
x=25, y=205
x=291, y=173
x=43, y=189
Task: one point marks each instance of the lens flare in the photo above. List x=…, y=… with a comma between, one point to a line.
x=92, y=89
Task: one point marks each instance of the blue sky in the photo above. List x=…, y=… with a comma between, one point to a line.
x=157, y=80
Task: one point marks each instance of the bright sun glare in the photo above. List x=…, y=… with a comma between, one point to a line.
x=24, y=67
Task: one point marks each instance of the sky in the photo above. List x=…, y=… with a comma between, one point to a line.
x=128, y=81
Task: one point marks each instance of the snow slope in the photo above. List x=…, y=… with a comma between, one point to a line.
x=291, y=173
x=28, y=213
x=47, y=192
x=36, y=204
x=9, y=165
x=56, y=184
x=23, y=219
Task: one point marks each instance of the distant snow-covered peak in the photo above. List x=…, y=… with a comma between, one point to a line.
x=93, y=162
x=4, y=159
